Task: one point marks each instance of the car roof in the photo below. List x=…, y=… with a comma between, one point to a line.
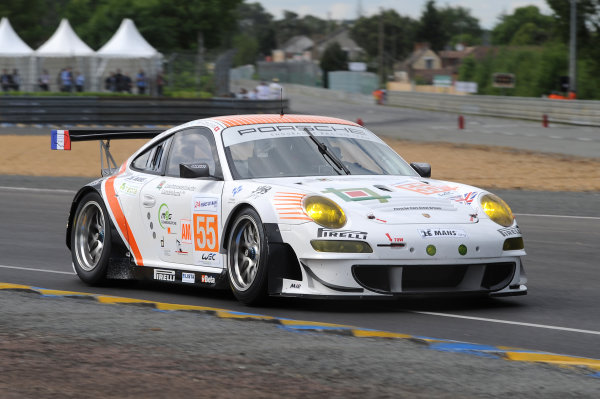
x=240, y=120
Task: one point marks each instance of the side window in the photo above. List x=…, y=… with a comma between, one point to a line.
x=194, y=146
x=152, y=159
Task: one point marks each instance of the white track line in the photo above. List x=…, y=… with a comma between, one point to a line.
x=35, y=270
x=43, y=190
x=516, y=323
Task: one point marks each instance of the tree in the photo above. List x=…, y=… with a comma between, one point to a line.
x=460, y=25
x=431, y=27
x=398, y=32
x=333, y=59
x=255, y=22
x=509, y=25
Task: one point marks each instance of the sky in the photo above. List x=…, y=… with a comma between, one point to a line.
x=487, y=11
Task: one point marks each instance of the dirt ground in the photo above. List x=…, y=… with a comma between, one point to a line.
x=490, y=167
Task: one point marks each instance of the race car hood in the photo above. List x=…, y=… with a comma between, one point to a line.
x=395, y=199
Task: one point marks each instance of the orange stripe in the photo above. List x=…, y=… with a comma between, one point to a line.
x=296, y=218
x=239, y=120
x=115, y=207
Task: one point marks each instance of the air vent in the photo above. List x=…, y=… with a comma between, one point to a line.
x=384, y=188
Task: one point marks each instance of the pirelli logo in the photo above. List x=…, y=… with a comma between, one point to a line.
x=347, y=234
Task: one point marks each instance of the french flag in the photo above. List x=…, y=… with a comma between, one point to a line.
x=60, y=140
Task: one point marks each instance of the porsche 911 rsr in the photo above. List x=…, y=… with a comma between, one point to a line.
x=287, y=205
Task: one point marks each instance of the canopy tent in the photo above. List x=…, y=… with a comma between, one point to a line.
x=62, y=49
x=129, y=52
x=14, y=53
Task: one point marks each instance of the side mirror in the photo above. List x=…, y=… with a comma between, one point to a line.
x=192, y=170
x=422, y=168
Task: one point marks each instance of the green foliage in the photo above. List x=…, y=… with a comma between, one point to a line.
x=247, y=49
x=460, y=25
x=431, y=28
x=525, y=26
x=333, y=59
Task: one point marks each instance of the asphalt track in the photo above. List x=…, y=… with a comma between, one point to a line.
x=560, y=314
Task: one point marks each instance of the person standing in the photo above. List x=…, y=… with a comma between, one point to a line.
x=262, y=91
x=16, y=80
x=66, y=78
x=5, y=80
x=140, y=81
x=79, y=81
x=275, y=90
x=160, y=82
x=44, y=81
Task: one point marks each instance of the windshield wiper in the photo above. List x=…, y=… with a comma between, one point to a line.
x=325, y=152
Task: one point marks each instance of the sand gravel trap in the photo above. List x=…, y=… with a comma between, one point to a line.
x=490, y=167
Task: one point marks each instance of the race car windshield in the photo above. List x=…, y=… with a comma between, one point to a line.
x=299, y=156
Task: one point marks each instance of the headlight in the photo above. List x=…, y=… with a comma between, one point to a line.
x=325, y=212
x=497, y=210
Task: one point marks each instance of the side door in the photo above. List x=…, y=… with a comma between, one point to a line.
x=188, y=209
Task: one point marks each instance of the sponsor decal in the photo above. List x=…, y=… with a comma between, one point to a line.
x=236, y=190
x=426, y=215
x=424, y=188
x=261, y=190
x=185, y=232
x=179, y=250
x=473, y=217
x=205, y=278
x=357, y=194
x=510, y=231
x=173, y=193
x=180, y=187
x=441, y=233
x=217, y=128
x=165, y=218
x=291, y=130
x=136, y=179
x=188, y=277
x=394, y=239
x=296, y=285
x=161, y=184
x=418, y=208
x=467, y=198
x=205, y=204
x=164, y=275
x=129, y=189
x=351, y=234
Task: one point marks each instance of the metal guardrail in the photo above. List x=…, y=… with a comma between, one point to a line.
x=576, y=112
x=134, y=110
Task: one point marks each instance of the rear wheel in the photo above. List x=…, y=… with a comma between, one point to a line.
x=247, y=258
x=90, y=239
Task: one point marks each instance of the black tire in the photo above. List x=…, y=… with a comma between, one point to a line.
x=91, y=239
x=247, y=258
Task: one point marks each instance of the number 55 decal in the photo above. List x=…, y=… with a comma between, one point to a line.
x=206, y=236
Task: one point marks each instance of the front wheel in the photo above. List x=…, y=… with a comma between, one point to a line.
x=247, y=258
x=90, y=239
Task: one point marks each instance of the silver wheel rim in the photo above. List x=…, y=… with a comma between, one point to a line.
x=244, y=253
x=89, y=236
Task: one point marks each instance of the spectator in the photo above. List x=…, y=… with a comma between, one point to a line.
x=126, y=83
x=275, y=89
x=44, y=81
x=79, y=81
x=262, y=91
x=5, y=80
x=110, y=83
x=253, y=94
x=66, y=78
x=16, y=80
x=140, y=81
x=119, y=81
x=160, y=82
x=242, y=94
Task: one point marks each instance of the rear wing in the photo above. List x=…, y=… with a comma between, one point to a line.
x=61, y=140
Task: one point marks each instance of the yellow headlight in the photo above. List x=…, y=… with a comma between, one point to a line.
x=325, y=212
x=497, y=210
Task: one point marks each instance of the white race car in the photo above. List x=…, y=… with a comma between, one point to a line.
x=288, y=205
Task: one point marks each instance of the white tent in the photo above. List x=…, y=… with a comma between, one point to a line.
x=127, y=42
x=64, y=43
x=127, y=51
x=11, y=45
x=14, y=53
